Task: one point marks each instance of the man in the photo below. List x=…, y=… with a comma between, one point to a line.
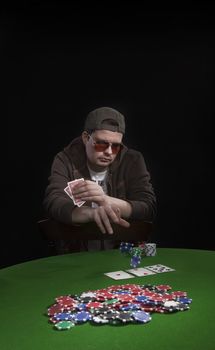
x=116, y=186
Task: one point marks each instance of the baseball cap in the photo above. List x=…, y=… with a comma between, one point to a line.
x=105, y=118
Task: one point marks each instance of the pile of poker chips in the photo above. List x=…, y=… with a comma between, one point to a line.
x=135, y=252
x=116, y=305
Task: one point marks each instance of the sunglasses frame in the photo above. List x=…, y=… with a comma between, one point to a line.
x=101, y=145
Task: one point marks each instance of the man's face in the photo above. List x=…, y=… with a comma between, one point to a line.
x=102, y=147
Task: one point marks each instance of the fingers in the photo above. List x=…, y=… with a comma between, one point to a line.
x=88, y=191
x=121, y=221
x=102, y=220
x=105, y=215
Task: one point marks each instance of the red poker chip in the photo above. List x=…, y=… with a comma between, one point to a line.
x=156, y=298
x=163, y=287
x=99, y=291
x=128, y=286
x=94, y=305
x=147, y=293
x=136, y=291
x=147, y=308
x=105, y=295
x=167, y=297
x=65, y=300
x=125, y=298
x=179, y=293
x=55, y=309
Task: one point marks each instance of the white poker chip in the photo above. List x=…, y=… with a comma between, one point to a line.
x=88, y=294
x=171, y=303
x=98, y=319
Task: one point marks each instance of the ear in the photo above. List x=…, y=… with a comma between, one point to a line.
x=85, y=137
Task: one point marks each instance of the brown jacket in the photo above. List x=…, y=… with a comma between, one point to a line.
x=128, y=179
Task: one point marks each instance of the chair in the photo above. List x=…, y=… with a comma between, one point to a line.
x=54, y=231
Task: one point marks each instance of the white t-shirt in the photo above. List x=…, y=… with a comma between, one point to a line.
x=100, y=179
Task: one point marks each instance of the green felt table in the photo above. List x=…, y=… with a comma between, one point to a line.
x=27, y=289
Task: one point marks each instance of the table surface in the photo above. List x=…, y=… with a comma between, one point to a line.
x=27, y=289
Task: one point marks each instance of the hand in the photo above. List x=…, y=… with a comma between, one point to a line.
x=90, y=191
x=105, y=215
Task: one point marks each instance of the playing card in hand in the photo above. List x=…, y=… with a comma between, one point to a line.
x=69, y=189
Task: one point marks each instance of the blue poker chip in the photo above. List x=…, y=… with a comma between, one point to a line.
x=135, y=261
x=142, y=298
x=81, y=307
x=82, y=316
x=63, y=316
x=184, y=300
x=141, y=316
x=130, y=306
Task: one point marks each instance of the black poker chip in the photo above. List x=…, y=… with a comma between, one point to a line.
x=125, y=317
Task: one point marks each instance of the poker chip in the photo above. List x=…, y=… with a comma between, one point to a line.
x=64, y=325
x=82, y=316
x=141, y=316
x=142, y=298
x=81, y=306
x=130, y=306
x=116, y=305
x=54, y=309
x=182, y=307
x=163, y=287
x=170, y=303
x=93, y=305
x=111, y=301
x=100, y=310
x=63, y=316
x=110, y=314
x=124, y=317
x=179, y=294
x=87, y=299
x=184, y=300
x=65, y=300
x=99, y=320
x=149, y=287
x=53, y=320
x=88, y=295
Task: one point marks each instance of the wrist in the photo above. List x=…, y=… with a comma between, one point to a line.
x=105, y=200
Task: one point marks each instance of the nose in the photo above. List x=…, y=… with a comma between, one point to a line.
x=108, y=150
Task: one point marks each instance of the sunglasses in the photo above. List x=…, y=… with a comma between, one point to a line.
x=101, y=146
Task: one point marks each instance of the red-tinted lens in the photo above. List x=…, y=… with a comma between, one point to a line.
x=101, y=146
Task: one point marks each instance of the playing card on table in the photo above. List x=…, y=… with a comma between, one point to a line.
x=119, y=275
x=141, y=271
x=159, y=268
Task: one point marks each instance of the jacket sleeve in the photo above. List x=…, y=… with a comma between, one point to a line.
x=139, y=190
x=57, y=204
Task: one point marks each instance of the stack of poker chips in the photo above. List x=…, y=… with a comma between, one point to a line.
x=135, y=252
x=116, y=305
x=150, y=249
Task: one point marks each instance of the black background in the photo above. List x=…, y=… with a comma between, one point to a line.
x=156, y=65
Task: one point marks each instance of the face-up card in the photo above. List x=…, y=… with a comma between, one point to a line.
x=119, y=275
x=141, y=271
x=159, y=268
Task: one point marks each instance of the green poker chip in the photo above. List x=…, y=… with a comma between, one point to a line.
x=64, y=325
